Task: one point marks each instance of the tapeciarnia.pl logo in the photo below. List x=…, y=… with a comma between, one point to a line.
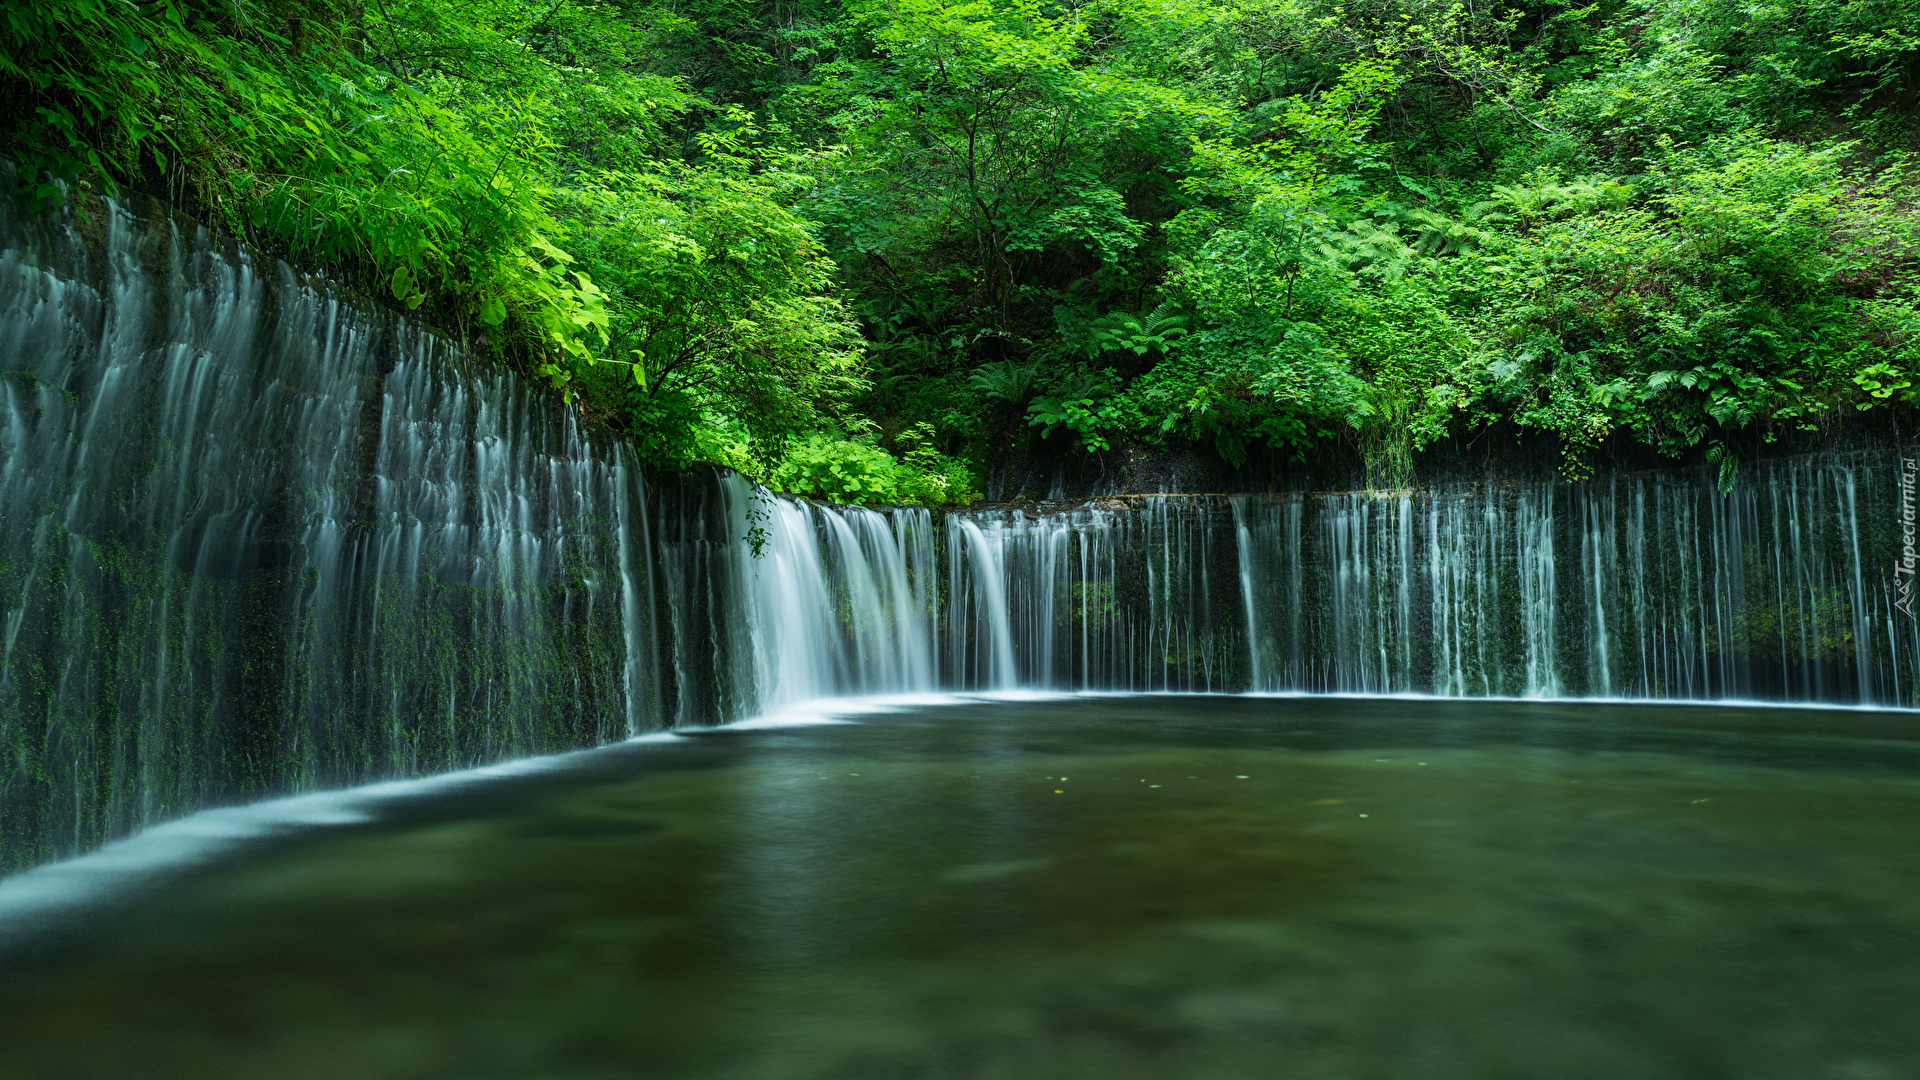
x=1903, y=566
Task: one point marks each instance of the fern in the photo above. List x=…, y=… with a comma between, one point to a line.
x=1006, y=380
x=1122, y=331
x=1441, y=235
x=1366, y=244
x=1524, y=204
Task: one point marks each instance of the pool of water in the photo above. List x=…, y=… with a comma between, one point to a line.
x=1097, y=887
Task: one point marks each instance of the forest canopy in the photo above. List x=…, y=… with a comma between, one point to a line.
x=858, y=249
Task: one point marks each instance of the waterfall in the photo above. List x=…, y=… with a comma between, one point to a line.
x=1654, y=586
x=831, y=600
x=1098, y=597
x=259, y=536
x=981, y=561
x=255, y=537
x=1258, y=665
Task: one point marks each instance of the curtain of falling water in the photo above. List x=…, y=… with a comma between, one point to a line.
x=836, y=598
x=1107, y=597
x=256, y=537
x=1653, y=586
x=1646, y=586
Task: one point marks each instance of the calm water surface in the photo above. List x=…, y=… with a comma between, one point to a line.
x=1114, y=888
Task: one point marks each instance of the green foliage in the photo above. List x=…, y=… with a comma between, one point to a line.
x=1713, y=308
x=270, y=120
x=720, y=301
x=1080, y=406
x=856, y=471
x=510, y=173
x=953, y=228
x=1155, y=332
x=1010, y=382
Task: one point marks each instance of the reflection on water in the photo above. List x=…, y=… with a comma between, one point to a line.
x=1119, y=887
